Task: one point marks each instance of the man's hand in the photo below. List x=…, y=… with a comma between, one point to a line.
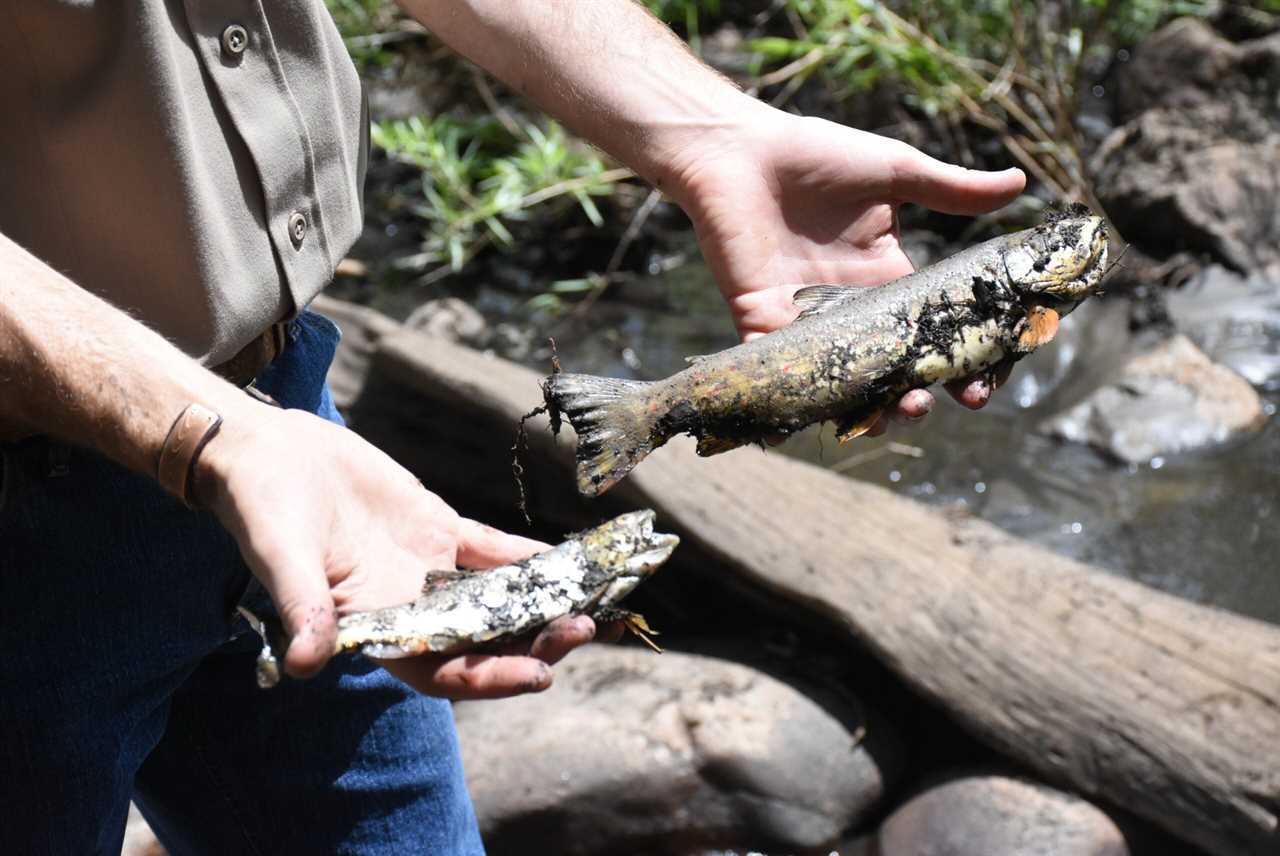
x=782, y=202
x=329, y=524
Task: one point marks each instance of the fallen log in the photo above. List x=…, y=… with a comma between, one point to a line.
x=1156, y=704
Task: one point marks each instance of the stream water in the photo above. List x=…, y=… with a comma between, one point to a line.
x=1205, y=526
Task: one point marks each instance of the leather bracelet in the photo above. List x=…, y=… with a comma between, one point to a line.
x=195, y=426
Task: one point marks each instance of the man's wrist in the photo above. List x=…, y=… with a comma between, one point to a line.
x=191, y=431
x=694, y=161
x=210, y=470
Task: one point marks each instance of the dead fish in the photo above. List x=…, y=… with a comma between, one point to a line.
x=588, y=573
x=848, y=356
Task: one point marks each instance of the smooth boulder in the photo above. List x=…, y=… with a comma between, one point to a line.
x=631, y=751
x=1168, y=400
x=1235, y=320
x=992, y=815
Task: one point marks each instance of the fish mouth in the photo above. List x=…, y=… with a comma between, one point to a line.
x=625, y=551
x=628, y=545
x=660, y=549
x=649, y=549
x=1065, y=260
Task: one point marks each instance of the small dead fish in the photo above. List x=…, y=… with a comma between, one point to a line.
x=848, y=356
x=588, y=573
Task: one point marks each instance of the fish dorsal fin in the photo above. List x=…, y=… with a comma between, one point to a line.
x=816, y=299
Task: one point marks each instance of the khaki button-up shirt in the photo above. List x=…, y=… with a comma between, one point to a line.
x=198, y=164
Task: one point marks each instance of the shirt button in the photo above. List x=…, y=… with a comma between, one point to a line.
x=235, y=39
x=297, y=228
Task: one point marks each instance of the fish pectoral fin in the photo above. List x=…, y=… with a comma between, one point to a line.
x=816, y=299
x=709, y=444
x=633, y=621
x=1039, y=327
x=853, y=427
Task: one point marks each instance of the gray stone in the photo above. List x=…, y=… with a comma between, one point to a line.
x=1168, y=400
x=1234, y=320
x=1187, y=64
x=1191, y=169
x=630, y=752
x=999, y=816
x=450, y=318
x=1171, y=183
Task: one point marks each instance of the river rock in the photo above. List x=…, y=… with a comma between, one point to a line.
x=993, y=815
x=635, y=752
x=1171, y=184
x=1170, y=399
x=1188, y=64
x=1235, y=320
x=1186, y=172
x=452, y=319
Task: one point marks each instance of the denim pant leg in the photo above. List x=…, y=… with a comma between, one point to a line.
x=110, y=593
x=117, y=603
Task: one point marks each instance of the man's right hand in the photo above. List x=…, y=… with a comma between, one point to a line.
x=330, y=524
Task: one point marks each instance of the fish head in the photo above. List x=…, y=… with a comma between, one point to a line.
x=1063, y=258
x=623, y=553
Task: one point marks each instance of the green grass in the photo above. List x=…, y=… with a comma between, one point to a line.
x=365, y=26
x=480, y=176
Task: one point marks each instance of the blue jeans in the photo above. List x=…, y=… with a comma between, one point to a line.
x=123, y=673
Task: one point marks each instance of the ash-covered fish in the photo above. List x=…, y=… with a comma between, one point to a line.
x=848, y=356
x=589, y=573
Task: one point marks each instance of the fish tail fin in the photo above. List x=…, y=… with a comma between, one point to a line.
x=615, y=428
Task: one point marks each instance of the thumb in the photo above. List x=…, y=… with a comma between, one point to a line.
x=481, y=546
x=301, y=595
x=953, y=189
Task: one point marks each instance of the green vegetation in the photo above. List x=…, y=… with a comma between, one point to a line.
x=686, y=13
x=481, y=175
x=369, y=27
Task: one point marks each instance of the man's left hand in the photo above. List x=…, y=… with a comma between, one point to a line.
x=781, y=202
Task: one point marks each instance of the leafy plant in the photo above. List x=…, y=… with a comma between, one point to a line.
x=480, y=176
x=368, y=27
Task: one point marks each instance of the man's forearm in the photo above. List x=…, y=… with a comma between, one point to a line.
x=73, y=366
x=607, y=68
